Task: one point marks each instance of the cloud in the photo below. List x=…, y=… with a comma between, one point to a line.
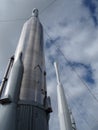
x=70, y=26
x=78, y=42
x=87, y=73
x=92, y=6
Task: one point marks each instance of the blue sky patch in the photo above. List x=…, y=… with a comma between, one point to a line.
x=92, y=9
x=51, y=59
x=88, y=76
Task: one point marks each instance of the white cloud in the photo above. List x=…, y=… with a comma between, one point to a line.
x=79, y=44
x=71, y=22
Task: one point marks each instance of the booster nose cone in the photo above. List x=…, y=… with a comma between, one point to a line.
x=35, y=12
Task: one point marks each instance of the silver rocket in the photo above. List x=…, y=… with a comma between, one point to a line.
x=63, y=111
x=24, y=104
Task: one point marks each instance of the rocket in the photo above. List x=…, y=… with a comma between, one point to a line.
x=24, y=104
x=63, y=110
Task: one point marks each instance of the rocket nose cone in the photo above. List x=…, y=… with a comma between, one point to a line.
x=35, y=12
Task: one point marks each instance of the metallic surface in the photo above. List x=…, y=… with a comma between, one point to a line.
x=63, y=111
x=6, y=75
x=31, y=117
x=14, y=82
x=24, y=104
x=34, y=106
x=8, y=116
x=11, y=93
x=33, y=83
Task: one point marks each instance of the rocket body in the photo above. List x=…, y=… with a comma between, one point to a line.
x=24, y=104
x=33, y=59
x=63, y=111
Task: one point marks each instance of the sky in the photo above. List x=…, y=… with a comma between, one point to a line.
x=71, y=26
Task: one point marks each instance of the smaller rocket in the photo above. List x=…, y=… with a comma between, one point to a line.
x=63, y=111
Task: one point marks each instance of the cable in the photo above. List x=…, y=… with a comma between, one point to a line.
x=12, y=20
x=78, y=75
x=66, y=59
x=47, y=6
x=92, y=94
x=22, y=19
x=85, y=120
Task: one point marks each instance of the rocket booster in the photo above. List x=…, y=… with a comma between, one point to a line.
x=63, y=111
x=24, y=104
x=10, y=96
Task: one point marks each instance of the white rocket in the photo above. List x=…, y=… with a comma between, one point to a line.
x=63, y=111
